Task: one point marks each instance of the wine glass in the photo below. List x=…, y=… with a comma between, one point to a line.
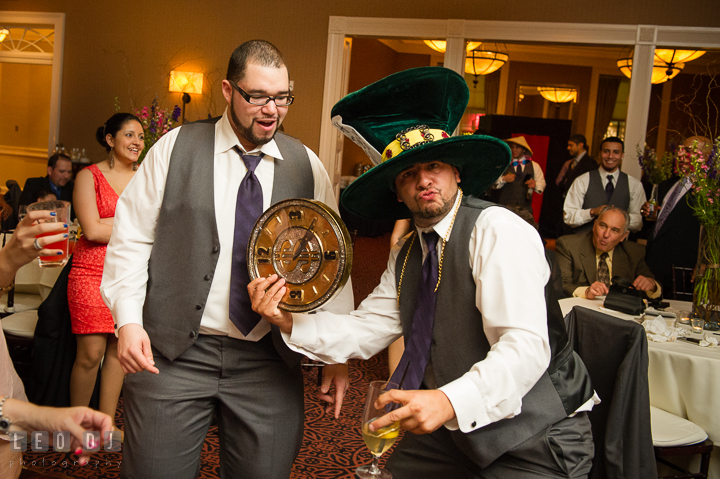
x=381, y=440
x=22, y=212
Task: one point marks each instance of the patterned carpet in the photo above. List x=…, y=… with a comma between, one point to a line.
x=331, y=449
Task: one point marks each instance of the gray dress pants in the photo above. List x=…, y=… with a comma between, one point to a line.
x=565, y=449
x=258, y=400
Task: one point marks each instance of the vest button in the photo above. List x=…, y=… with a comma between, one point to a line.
x=207, y=277
x=198, y=306
x=192, y=334
x=215, y=249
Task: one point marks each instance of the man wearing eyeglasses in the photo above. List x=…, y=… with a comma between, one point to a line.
x=176, y=281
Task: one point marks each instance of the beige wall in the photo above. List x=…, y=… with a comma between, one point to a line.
x=126, y=49
x=24, y=120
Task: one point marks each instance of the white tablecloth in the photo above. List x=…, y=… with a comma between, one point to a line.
x=684, y=378
x=32, y=286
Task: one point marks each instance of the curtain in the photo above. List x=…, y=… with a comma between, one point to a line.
x=492, y=90
x=607, y=96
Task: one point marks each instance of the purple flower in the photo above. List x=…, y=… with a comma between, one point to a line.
x=176, y=113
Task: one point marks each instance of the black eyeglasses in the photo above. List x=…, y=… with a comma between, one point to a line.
x=260, y=100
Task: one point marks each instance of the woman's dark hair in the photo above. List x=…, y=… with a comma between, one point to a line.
x=112, y=126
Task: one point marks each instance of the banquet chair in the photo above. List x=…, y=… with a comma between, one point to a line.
x=674, y=436
x=615, y=354
x=682, y=287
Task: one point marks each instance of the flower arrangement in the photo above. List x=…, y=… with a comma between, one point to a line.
x=156, y=122
x=655, y=169
x=703, y=171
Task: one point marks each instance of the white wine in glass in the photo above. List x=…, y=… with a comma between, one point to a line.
x=381, y=440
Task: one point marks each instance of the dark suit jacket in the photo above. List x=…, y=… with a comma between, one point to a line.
x=576, y=257
x=677, y=241
x=586, y=163
x=33, y=185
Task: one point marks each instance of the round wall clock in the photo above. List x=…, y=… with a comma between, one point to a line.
x=305, y=242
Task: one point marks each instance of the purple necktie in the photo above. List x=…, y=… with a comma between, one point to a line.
x=609, y=188
x=417, y=346
x=248, y=209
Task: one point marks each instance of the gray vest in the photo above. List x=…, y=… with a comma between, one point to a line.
x=515, y=193
x=186, y=247
x=595, y=194
x=459, y=342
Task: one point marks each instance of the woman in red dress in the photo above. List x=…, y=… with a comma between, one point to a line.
x=97, y=189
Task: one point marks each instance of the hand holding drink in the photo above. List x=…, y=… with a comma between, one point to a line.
x=53, y=248
x=384, y=437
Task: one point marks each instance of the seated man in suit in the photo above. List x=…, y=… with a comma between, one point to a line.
x=588, y=260
x=58, y=181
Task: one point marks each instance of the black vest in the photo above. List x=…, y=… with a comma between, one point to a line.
x=595, y=195
x=515, y=193
x=186, y=246
x=459, y=342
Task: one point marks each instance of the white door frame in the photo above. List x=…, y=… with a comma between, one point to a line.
x=644, y=39
x=57, y=20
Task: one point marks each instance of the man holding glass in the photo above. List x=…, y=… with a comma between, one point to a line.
x=176, y=280
x=487, y=386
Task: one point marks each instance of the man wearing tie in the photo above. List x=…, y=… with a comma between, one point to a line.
x=607, y=185
x=475, y=377
x=522, y=179
x=675, y=237
x=176, y=278
x=589, y=260
x=580, y=163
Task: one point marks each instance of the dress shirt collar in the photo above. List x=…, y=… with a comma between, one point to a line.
x=442, y=227
x=598, y=253
x=579, y=156
x=225, y=140
x=603, y=175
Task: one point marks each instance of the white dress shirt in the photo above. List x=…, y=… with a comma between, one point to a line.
x=575, y=215
x=125, y=273
x=538, y=176
x=507, y=259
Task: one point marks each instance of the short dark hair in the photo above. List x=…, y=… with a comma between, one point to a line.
x=52, y=161
x=259, y=52
x=112, y=126
x=613, y=139
x=578, y=138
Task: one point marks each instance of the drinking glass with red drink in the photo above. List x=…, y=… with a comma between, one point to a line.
x=62, y=215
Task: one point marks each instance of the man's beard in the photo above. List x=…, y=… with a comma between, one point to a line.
x=247, y=132
x=435, y=212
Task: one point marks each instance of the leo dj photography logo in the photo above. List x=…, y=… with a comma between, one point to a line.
x=39, y=441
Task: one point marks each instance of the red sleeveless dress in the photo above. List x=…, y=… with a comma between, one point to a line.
x=88, y=312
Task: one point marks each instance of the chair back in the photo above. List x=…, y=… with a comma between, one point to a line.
x=682, y=286
x=615, y=354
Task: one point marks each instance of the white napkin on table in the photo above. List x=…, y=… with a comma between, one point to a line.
x=657, y=330
x=709, y=340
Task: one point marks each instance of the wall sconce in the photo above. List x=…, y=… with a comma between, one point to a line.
x=185, y=83
x=4, y=32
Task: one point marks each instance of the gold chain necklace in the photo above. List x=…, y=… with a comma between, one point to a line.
x=442, y=253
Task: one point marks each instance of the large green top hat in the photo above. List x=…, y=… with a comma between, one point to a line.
x=407, y=118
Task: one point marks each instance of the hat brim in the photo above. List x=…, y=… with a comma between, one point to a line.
x=480, y=160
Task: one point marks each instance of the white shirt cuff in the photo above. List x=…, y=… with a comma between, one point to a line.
x=127, y=312
x=468, y=403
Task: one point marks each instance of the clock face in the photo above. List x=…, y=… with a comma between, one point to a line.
x=305, y=242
